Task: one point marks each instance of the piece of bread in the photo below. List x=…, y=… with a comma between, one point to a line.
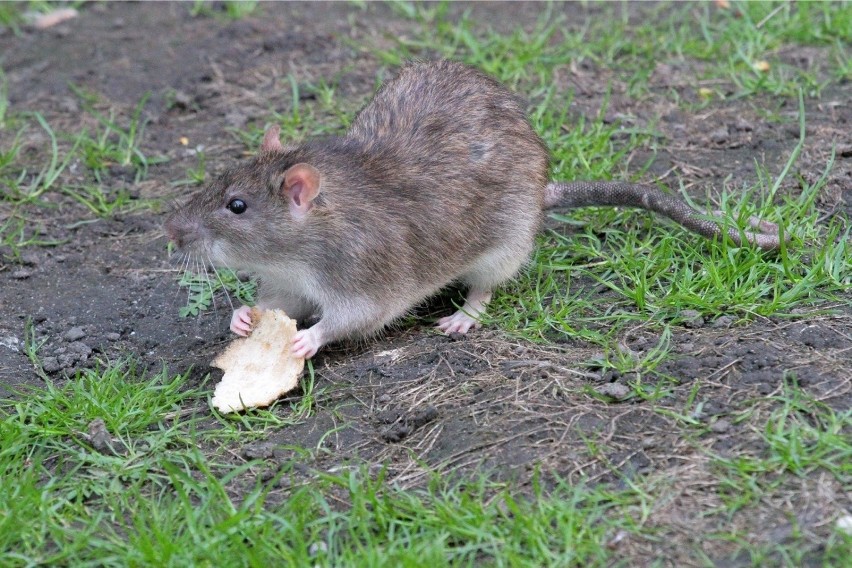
x=258, y=368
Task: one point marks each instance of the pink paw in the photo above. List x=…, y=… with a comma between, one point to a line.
x=459, y=322
x=306, y=343
x=241, y=321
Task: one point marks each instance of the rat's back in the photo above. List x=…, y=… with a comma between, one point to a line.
x=443, y=112
x=447, y=138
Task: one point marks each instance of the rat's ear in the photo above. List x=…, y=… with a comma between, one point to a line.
x=301, y=186
x=271, y=139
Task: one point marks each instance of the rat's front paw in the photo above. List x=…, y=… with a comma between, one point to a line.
x=241, y=321
x=306, y=343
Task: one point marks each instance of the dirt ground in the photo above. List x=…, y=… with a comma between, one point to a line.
x=412, y=398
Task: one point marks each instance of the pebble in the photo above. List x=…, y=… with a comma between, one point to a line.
x=236, y=119
x=844, y=524
x=720, y=426
x=51, y=364
x=723, y=322
x=692, y=319
x=617, y=391
x=686, y=347
x=720, y=135
x=113, y=336
x=259, y=451
x=74, y=334
x=80, y=349
x=317, y=547
x=743, y=125
x=182, y=100
x=22, y=274
x=29, y=259
x=384, y=398
x=69, y=105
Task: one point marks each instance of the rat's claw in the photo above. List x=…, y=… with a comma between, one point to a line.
x=305, y=343
x=241, y=321
x=459, y=322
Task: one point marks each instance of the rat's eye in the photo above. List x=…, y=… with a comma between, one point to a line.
x=237, y=206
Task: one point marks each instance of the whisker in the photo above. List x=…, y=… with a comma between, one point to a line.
x=224, y=288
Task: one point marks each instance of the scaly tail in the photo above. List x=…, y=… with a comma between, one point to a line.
x=602, y=193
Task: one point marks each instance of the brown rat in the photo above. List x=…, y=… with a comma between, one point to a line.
x=439, y=179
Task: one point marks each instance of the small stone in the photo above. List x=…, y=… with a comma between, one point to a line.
x=51, y=365
x=397, y=433
x=424, y=416
x=67, y=360
x=384, y=399
x=720, y=135
x=723, y=322
x=692, y=319
x=182, y=100
x=113, y=336
x=648, y=443
x=616, y=391
x=99, y=436
x=29, y=259
x=844, y=524
x=80, y=348
x=259, y=451
x=317, y=548
x=268, y=473
x=720, y=426
x=388, y=416
x=22, y=274
x=10, y=342
x=69, y=105
x=74, y=334
x=743, y=125
x=236, y=119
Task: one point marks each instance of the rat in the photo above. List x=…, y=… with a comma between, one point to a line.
x=440, y=179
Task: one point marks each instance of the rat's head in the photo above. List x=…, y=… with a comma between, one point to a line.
x=250, y=212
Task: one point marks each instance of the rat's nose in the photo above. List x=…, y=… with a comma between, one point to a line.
x=179, y=234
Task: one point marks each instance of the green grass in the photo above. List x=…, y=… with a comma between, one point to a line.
x=116, y=143
x=720, y=44
x=801, y=436
x=202, y=289
x=30, y=185
x=229, y=9
x=160, y=501
x=166, y=495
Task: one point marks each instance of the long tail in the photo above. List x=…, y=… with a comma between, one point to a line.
x=602, y=193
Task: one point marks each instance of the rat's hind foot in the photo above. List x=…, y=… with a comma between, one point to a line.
x=241, y=321
x=467, y=316
x=459, y=322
